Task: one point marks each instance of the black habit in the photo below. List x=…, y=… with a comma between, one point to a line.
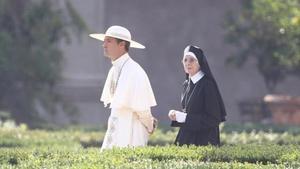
x=204, y=107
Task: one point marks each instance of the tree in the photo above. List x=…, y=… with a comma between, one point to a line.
x=30, y=57
x=269, y=32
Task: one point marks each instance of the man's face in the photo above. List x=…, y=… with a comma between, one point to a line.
x=112, y=49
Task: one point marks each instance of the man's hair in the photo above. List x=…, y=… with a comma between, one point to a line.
x=127, y=44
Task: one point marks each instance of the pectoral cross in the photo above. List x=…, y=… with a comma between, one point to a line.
x=113, y=82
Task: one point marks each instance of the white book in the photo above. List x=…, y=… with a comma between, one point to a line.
x=180, y=116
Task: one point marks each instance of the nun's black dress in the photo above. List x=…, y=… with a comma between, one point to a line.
x=205, y=111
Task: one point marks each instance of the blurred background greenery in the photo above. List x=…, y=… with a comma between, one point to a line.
x=30, y=57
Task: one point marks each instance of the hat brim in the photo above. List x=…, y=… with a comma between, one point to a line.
x=133, y=44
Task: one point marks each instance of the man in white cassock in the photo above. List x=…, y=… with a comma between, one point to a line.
x=128, y=92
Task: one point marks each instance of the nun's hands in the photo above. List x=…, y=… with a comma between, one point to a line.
x=172, y=115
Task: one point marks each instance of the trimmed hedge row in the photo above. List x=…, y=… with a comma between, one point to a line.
x=21, y=138
x=238, y=156
x=33, y=138
x=250, y=127
x=22, y=148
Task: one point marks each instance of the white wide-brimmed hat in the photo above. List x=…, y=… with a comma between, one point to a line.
x=120, y=33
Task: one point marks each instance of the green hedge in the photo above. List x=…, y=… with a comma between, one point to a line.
x=23, y=148
x=33, y=138
x=25, y=138
x=250, y=127
x=239, y=156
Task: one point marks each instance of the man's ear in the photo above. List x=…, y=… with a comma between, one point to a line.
x=122, y=44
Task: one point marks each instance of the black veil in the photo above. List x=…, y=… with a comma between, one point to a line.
x=206, y=70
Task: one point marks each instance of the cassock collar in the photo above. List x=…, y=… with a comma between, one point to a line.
x=196, y=77
x=120, y=61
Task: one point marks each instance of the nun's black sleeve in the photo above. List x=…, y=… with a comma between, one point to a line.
x=176, y=124
x=208, y=114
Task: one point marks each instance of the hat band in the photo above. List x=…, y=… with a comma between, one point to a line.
x=118, y=35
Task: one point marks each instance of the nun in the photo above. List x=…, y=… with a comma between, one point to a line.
x=202, y=106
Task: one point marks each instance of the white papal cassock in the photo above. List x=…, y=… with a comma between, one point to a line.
x=128, y=91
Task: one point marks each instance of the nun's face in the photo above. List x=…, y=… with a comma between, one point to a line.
x=191, y=65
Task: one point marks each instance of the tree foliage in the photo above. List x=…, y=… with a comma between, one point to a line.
x=30, y=57
x=269, y=32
